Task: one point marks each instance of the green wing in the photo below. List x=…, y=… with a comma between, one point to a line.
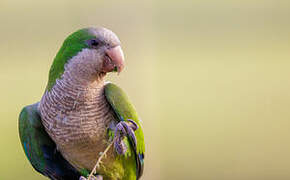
x=125, y=110
x=40, y=149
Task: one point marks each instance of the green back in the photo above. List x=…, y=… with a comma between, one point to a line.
x=29, y=121
x=125, y=110
x=40, y=149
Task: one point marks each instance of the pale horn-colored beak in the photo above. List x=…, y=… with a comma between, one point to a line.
x=117, y=56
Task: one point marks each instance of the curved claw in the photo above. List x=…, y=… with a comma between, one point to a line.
x=120, y=146
x=123, y=129
x=133, y=125
x=120, y=132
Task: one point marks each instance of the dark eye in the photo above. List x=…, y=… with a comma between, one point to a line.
x=93, y=43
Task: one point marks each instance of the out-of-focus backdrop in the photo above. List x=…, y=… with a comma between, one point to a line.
x=210, y=79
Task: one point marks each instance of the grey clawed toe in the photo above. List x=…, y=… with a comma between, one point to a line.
x=124, y=128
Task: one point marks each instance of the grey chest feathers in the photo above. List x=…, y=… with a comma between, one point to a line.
x=77, y=118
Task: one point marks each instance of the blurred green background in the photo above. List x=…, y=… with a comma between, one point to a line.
x=210, y=80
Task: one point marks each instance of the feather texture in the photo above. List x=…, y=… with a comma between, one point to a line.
x=40, y=149
x=125, y=110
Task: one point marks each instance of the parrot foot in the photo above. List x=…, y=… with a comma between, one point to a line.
x=97, y=177
x=124, y=128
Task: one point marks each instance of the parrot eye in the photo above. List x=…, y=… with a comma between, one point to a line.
x=93, y=43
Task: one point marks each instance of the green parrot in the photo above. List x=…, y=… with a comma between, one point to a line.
x=80, y=115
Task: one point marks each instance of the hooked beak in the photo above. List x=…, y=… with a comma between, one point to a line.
x=116, y=57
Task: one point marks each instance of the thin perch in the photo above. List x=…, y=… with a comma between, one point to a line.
x=103, y=154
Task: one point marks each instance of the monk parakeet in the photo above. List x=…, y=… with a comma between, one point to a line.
x=80, y=115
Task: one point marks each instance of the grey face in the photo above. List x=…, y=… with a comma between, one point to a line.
x=107, y=46
x=103, y=54
x=103, y=38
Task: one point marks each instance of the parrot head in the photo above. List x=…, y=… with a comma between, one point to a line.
x=89, y=52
